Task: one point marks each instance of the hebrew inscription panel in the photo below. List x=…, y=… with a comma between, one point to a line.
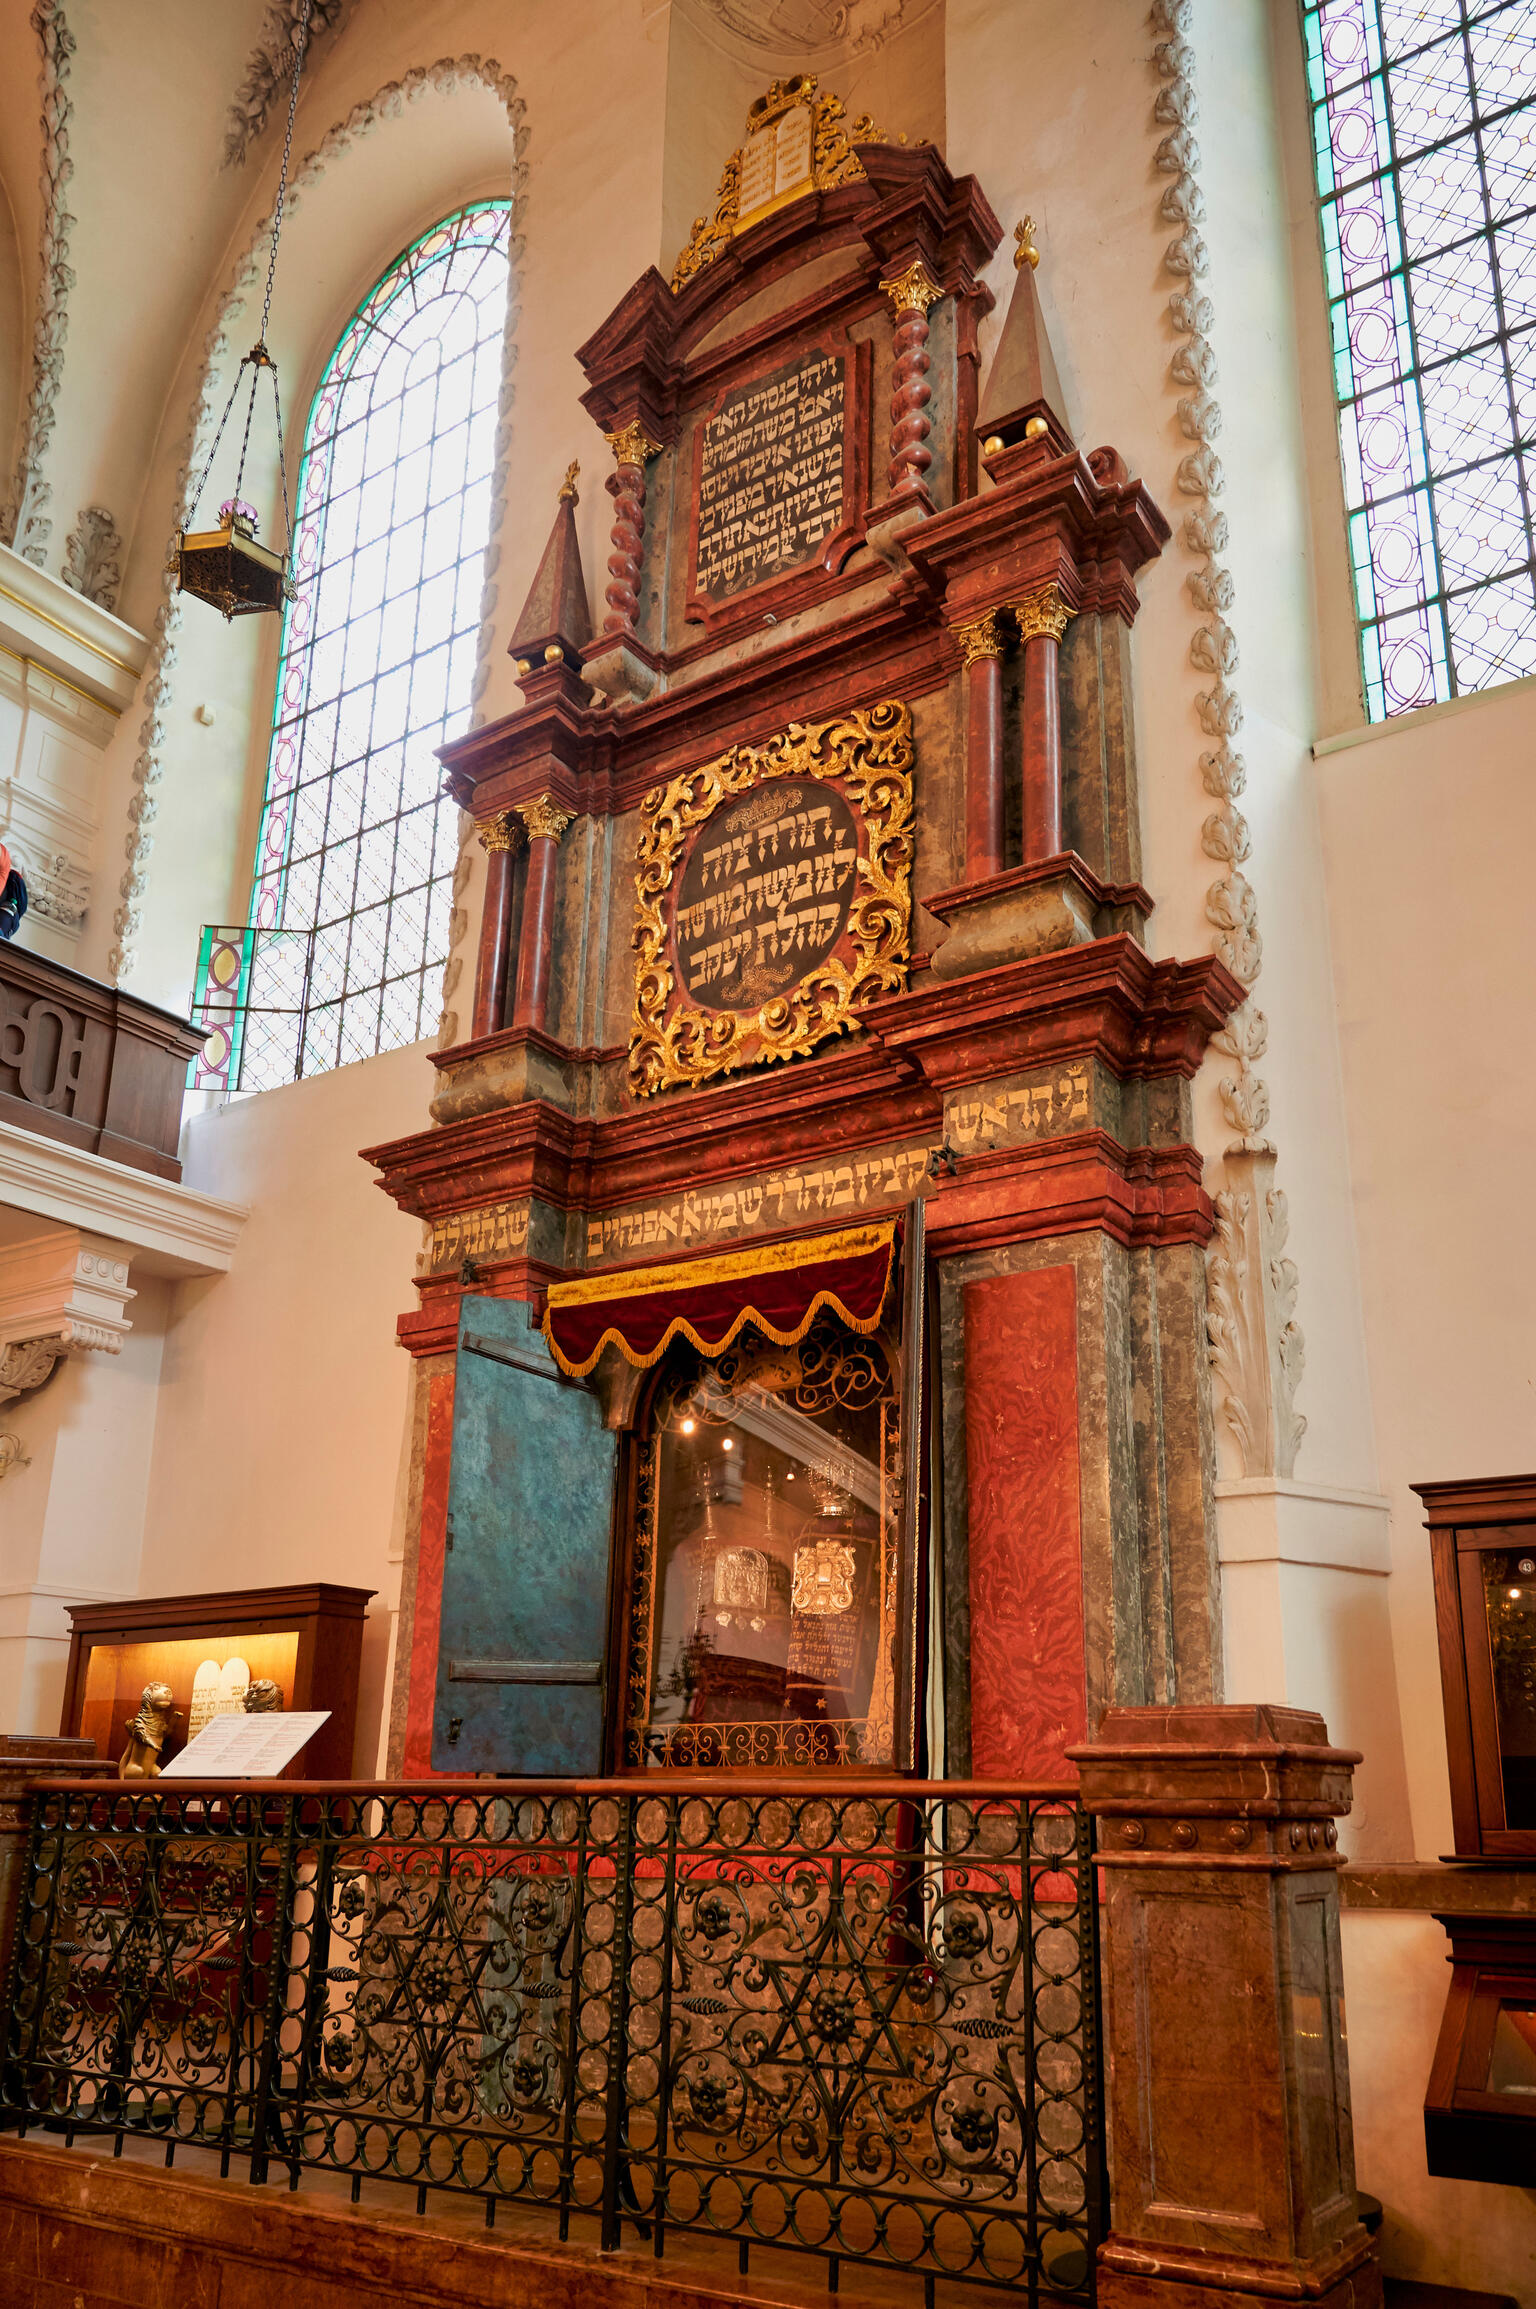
x=765, y=894
x=771, y=476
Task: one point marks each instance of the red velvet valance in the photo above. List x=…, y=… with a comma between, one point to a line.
x=781, y=1287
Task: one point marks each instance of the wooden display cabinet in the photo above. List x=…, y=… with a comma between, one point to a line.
x=1483, y=1537
x=308, y=1639
x=1480, y=2109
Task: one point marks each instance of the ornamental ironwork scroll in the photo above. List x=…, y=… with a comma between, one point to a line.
x=857, y=2023
x=773, y=897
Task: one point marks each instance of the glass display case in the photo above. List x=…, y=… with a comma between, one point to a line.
x=769, y=1544
x=1480, y=2109
x=1483, y=1538
x=207, y=1650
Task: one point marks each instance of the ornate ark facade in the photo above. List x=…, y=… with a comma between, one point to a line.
x=810, y=1358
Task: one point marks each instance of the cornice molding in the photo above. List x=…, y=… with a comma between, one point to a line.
x=50, y=626
x=188, y=1233
x=65, y=1287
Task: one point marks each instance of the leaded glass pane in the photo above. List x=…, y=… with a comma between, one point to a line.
x=355, y=859
x=1422, y=117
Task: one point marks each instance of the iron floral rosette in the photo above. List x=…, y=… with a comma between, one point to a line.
x=867, y=758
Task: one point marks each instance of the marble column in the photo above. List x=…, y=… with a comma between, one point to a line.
x=1043, y=617
x=494, y=961
x=981, y=647
x=545, y=822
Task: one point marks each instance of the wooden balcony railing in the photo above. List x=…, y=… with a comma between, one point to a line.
x=90, y=1065
x=854, y=2019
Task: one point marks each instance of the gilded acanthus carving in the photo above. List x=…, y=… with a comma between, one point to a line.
x=92, y=554
x=1256, y=1388
x=981, y=638
x=387, y=103
x=1042, y=614
x=23, y=522
x=833, y=161
x=498, y=833
x=673, y=1038
x=544, y=819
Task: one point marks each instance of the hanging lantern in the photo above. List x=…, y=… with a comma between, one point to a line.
x=229, y=566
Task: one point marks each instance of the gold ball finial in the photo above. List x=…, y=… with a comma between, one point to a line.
x=992, y=444
x=554, y=654
x=1026, y=253
x=1035, y=427
x=568, y=485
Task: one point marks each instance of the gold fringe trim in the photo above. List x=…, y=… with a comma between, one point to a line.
x=728, y=1267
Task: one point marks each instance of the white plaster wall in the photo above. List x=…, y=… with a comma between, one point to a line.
x=1428, y=823
x=72, y=1522
x=1463, y=2233
x=283, y=1400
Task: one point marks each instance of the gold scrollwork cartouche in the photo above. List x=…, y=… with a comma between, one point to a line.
x=870, y=754
x=833, y=162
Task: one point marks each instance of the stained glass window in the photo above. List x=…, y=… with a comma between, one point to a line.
x=354, y=865
x=1423, y=141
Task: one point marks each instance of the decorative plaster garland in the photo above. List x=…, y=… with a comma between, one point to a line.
x=387, y=103
x=271, y=67
x=23, y=522
x=1256, y=1346
x=92, y=556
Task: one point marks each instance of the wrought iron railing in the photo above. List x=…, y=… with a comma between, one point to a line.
x=855, y=2019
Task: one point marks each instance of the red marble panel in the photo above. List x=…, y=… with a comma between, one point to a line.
x=1028, y=1700
x=416, y=1763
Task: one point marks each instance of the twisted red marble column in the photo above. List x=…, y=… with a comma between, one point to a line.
x=626, y=486
x=1043, y=619
x=546, y=822
x=494, y=960
x=911, y=294
x=982, y=648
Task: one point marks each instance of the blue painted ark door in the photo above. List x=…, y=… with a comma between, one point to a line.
x=521, y=1666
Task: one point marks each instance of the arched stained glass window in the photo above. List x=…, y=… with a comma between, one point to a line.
x=354, y=865
x=1422, y=113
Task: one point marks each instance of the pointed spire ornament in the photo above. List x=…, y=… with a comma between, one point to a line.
x=1023, y=400
x=555, y=622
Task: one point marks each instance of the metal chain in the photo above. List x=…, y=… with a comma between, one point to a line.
x=282, y=180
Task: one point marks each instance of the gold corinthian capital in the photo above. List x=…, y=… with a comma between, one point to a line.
x=631, y=444
x=544, y=817
x=914, y=290
x=1042, y=613
x=496, y=833
x=980, y=638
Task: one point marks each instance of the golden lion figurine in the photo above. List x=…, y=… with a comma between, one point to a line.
x=147, y=1734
